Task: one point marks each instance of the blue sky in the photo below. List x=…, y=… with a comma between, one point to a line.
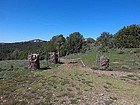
x=23, y=20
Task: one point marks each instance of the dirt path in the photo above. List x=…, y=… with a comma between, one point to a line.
x=132, y=77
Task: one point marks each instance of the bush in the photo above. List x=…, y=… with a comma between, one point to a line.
x=135, y=51
x=125, y=67
x=121, y=51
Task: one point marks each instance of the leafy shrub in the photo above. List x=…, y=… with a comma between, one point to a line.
x=121, y=51
x=125, y=67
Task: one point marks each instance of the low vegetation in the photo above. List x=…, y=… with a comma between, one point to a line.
x=128, y=61
x=63, y=84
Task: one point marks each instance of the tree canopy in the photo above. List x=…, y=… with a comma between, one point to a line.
x=74, y=43
x=128, y=37
x=105, y=40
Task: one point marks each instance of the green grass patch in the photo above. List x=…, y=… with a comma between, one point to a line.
x=62, y=85
x=126, y=61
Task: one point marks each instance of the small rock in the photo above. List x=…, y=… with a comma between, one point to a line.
x=29, y=88
x=4, y=101
x=101, y=94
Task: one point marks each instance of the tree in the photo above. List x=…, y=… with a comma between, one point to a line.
x=128, y=37
x=1, y=56
x=90, y=40
x=56, y=44
x=60, y=45
x=105, y=40
x=15, y=54
x=88, y=44
x=74, y=43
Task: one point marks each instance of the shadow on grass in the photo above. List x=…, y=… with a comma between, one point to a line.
x=44, y=68
x=60, y=62
x=47, y=68
x=3, y=69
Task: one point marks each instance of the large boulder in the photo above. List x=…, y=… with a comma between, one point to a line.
x=33, y=61
x=54, y=57
x=104, y=62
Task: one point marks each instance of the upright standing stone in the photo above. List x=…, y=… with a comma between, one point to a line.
x=34, y=61
x=104, y=62
x=54, y=57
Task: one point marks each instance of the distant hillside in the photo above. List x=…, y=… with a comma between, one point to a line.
x=37, y=40
x=34, y=40
x=20, y=50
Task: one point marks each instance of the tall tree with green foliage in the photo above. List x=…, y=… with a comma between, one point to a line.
x=56, y=44
x=87, y=44
x=74, y=43
x=60, y=46
x=105, y=41
x=128, y=37
x=15, y=54
x=90, y=40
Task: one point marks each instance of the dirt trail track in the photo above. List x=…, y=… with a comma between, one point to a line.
x=113, y=74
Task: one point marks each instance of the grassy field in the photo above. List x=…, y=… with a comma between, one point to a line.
x=64, y=84
x=128, y=61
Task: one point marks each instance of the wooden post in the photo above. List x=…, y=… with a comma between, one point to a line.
x=83, y=63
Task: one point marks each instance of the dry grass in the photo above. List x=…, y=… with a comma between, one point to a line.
x=65, y=84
